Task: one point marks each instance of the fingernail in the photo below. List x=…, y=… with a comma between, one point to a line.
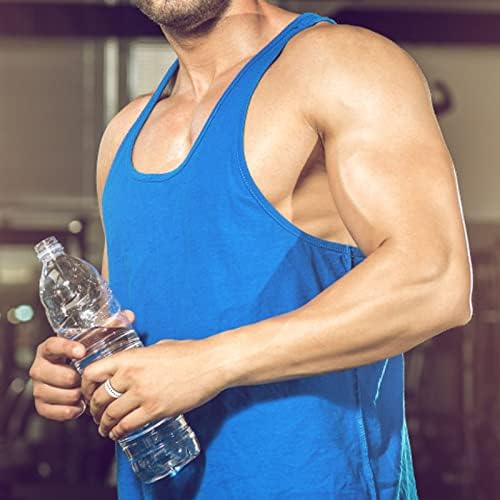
x=83, y=405
x=111, y=436
x=101, y=433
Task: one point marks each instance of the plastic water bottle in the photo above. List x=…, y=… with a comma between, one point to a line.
x=80, y=306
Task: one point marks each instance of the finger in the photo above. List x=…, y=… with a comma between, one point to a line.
x=55, y=395
x=130, y=314
x=116, y=411
x=88, y=388
x=62, y=376
x=129, y=423
x=98, y=372
x=59, y=412
x=101, y=399
x=56, y=349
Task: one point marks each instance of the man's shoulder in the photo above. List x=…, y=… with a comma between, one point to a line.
x=114, y=134
x=342, y=54
x=340, y=44
x=119, y=125
x=341, y=65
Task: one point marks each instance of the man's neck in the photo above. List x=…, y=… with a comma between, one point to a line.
x=241, y=31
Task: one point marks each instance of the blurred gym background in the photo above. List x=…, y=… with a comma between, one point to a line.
x=67, y=68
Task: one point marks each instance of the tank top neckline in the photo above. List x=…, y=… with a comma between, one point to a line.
x=136, y=129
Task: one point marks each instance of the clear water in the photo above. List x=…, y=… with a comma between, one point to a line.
x=159, y=449
x=101, y=342
x=76, y=298
x=77, y=301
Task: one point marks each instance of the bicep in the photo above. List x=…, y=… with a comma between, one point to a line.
x=391, y=184
x=389, y=169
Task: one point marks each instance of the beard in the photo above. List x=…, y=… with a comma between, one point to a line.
x=184, y=17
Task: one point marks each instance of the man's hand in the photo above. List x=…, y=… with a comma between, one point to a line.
x=56, y=386
x=162, y=380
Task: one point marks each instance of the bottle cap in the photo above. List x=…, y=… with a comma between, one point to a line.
x=49, y=247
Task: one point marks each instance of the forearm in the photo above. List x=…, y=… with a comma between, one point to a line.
x=381, y=308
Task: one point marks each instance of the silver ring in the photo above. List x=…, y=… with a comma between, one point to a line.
x=111, y=390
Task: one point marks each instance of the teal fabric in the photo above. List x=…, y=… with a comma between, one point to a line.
x=199, y=250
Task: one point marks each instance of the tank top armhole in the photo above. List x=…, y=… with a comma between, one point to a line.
x=247, y=90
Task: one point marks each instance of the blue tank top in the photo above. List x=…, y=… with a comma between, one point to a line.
x=199, y=250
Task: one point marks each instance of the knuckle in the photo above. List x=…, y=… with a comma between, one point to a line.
x=96, y=401
x=87, y=375
x=111, y=414
x=128, y=372
x=71, y=378
x=37, y=391
x=69, y=413
x=105, y=423
x=151, y=408
x=74, y=396
x=122, y=428
x=41, y=348
x=141, y=389
x=50, y=344
x=34, y=372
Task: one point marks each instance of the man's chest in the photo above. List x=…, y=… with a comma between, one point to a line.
x=283, y=153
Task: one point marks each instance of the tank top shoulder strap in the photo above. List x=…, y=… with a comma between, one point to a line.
x=241, y=88
x=146, y=111
x=267, y=55
x=244, y=86
x=259, y=65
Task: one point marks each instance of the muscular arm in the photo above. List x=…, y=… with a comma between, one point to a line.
x=394, y=184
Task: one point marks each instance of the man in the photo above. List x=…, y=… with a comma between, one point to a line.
x=282, y=217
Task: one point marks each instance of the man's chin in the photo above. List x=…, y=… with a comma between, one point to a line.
x=184, y=17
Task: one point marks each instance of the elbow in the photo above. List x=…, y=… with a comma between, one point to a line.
x=464, y=314
x=454, y=284
x=468, y=312
x=463, y=280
